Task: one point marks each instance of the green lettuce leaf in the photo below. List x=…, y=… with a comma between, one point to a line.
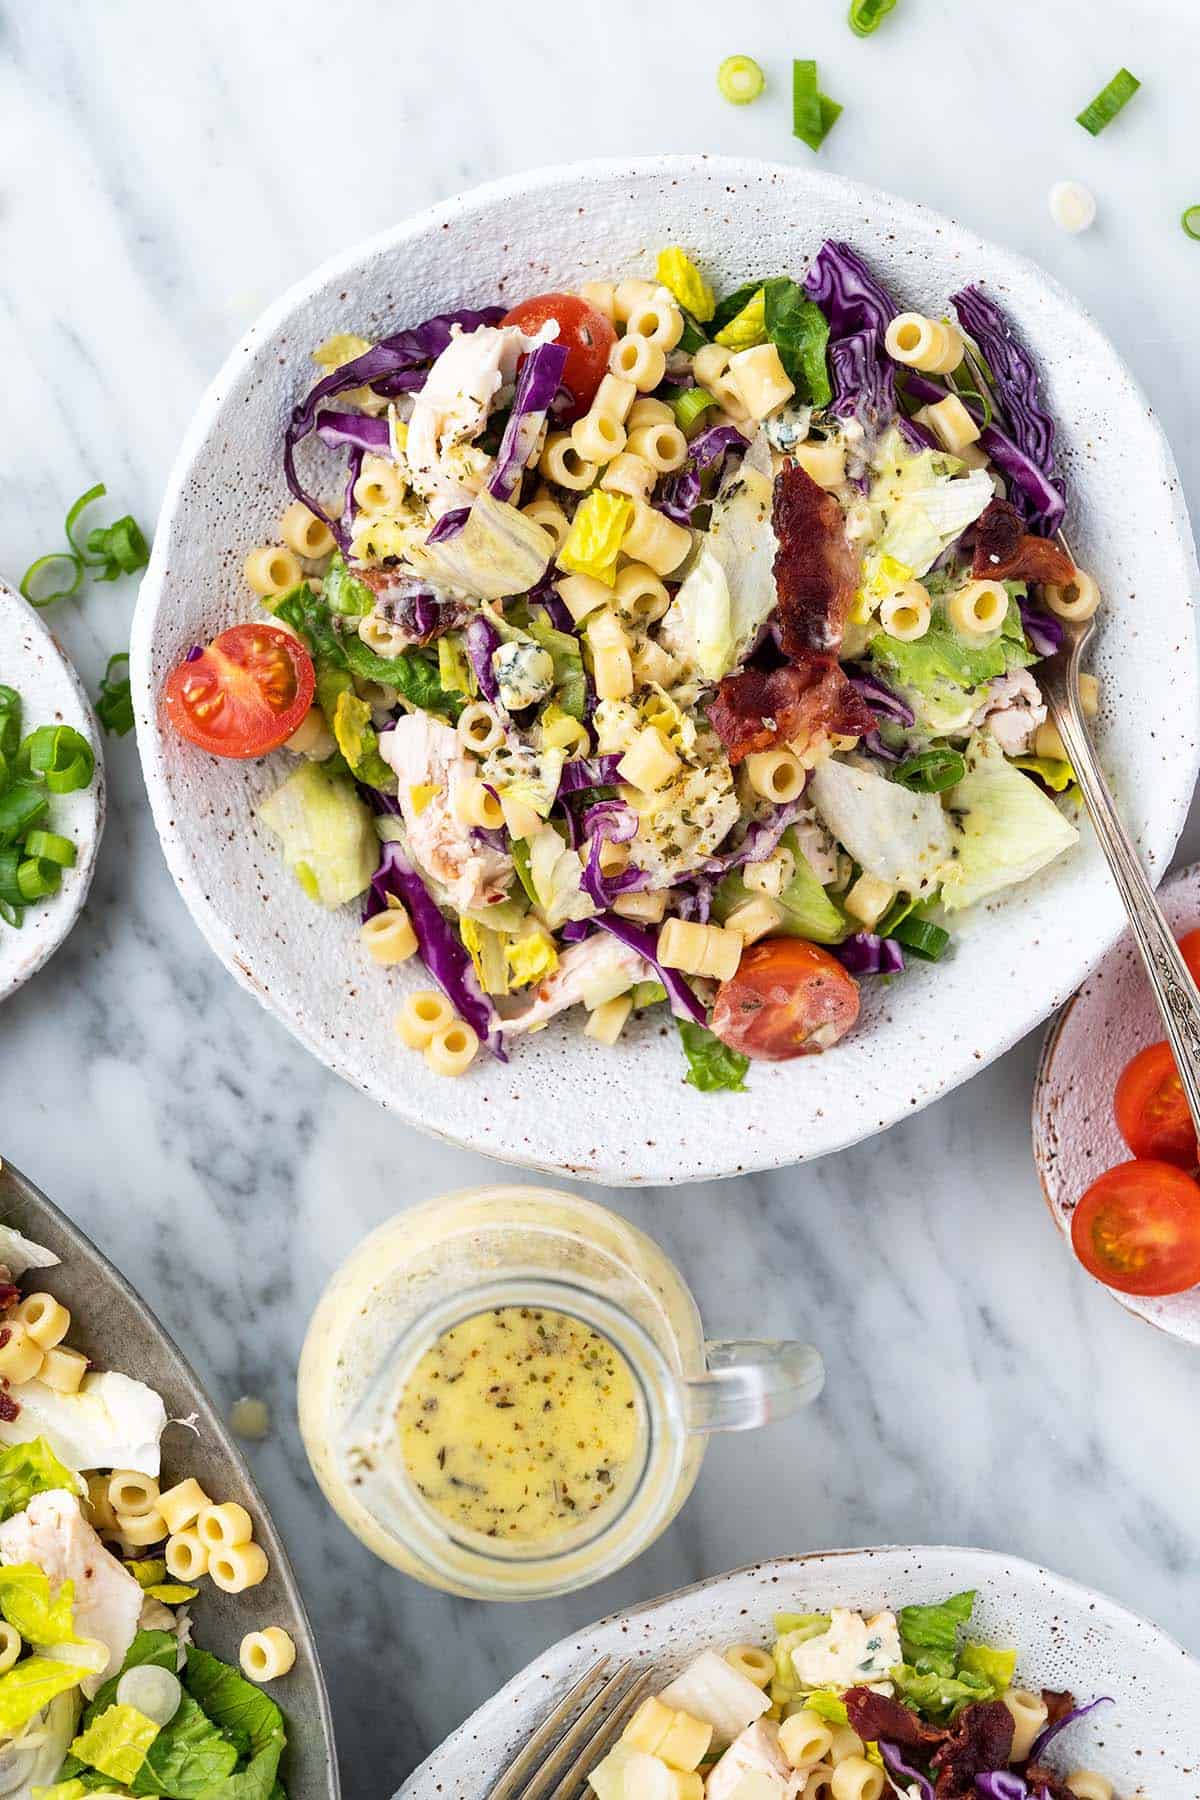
x=31, y=1684
x=939, y=673
x=188, y=1758
x=116, y=1742
x=26, y=1603
x=358, y=742
x=328, y=839
x=828, y=1704
x=732, y=305
x=712, y=1065
x=1008, y=828
x=996, y=1667
x=566, y=652
x=414, y=672
x=800, y=332
x=934, y=1627
x=248, y=1717
x=61, y=1790
x=808, y=911
x=344, y=593
x=791, y=1630
x=29, y=1469
x=935, y=1695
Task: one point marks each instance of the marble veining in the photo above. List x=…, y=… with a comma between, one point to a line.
x=164, y=172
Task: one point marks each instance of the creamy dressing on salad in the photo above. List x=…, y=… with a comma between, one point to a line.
x=519, y=1423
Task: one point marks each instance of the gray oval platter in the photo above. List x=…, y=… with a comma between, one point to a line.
x=114, y=1327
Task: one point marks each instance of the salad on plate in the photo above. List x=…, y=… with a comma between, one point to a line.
x=848, y=1707
x=660, y=650
x=102, y=1690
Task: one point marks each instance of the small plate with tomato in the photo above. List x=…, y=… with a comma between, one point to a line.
x=1112, y=1137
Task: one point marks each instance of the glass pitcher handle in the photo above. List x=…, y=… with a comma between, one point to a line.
x=750, y=1382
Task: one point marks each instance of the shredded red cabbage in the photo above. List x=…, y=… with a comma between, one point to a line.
x=449, y=525
x=998, y=1784
x=342, y=527
x=859, y=312
x=609, y=821
x=684, y=1003
x=1038, y=1748
x=1044, y=631
x=337, y=428
x=538, y=382
x=395, y=365
x=867, y=954
x=760, y=841
x=680, y=496
x=588, y=772
x=1015, y=374
x=438, y=943
x=880, y=698
x=900, y=1771
x=482, y=639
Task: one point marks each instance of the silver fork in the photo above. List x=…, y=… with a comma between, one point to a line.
x=1173, y=988
x=564, y=1750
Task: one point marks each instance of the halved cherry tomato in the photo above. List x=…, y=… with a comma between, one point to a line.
x=1137, y=1229
x=245, y=694
x=1151, y=1108
x=788, y=998
x=1189, y=946
x=585, y=331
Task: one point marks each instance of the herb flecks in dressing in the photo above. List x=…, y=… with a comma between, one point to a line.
x=519, y=1423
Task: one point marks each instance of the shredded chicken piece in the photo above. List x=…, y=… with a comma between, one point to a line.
x=430, y=765
x=1012, y=711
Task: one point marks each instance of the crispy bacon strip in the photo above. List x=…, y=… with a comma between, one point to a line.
x=1005, y=551
x=980, y=1740
x=876, y=1716
x=1043, y=1781
x=1058, y=1702
x=759, y=708
x=816, y=571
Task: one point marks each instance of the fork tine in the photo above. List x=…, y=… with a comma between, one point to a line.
x=524, y=1765
x=591, y=1750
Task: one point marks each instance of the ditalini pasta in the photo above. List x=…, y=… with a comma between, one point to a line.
x=622, y=593
x=846, y=1705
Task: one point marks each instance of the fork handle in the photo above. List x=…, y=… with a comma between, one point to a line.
x=1174, y=990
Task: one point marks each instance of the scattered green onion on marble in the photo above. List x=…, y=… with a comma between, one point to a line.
x=1101, y=111
x=813, y=113
x=740, y=80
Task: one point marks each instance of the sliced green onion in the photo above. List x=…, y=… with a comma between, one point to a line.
x=740, y=80
x=117, y=549
x=866, y=15
x=38, y=877
x=22, y=806
x=51, y=847
x=114, y=704
x=922, y=937
x=10, y=893
x=84, y=501
x=64, y=759
x=932, y=772
x=1108, y=102
x=688, y=403
x=35, y=578
x=1191, y=221
x=10, y=720
x=962, y=386
x=813, y=113
x=12, y=915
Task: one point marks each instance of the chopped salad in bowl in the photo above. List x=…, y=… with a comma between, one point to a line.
x=843, y=1706
x=660, y=649
x=102, y=1689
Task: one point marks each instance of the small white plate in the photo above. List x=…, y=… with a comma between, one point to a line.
x=33, y=662
x=1065, y=1636
x=1075, y=1136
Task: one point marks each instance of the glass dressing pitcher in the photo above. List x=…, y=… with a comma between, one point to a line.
x=506, y=1391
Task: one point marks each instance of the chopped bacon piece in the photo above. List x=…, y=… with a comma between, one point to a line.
x=1005, y=551
x=758, y=708
x=980, y=1740
x=1044, y=1781
x=10, y=1409
x=10, y=1294
x=875, y=1716
x=816, y=571
x=1058, y=1703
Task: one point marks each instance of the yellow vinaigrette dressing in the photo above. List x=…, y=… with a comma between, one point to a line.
x=521, y=1424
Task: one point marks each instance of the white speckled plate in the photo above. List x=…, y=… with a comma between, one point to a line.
x=33, y=662
x=1075, y=1136
x=1066, y=1637
x=562, y=1104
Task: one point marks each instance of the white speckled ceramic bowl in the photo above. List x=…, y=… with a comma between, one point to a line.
x=1075, y=1136
x=33, y=662
x=562, y=1104
x=1066, y=1637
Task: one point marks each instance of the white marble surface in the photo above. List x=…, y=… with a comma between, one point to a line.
x=164, y=171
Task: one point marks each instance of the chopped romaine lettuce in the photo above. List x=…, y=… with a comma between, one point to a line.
x=792, y=1629
x=116, y=1742
x=748, y=326
x=328, y=837
x=995, y=1666
x=679, y=274
x=936, y=1627
x=32, y=1684
x=938, y=674
x=712, y=1065
x=592, y=545
x=27, y=1604
x=1008, y=828
x=344, y=593
x=902, y=838
x=807, y=910
x=920, y=503
x=28, y=1469
x=499, y=551
x=358, y=742
x=729, y=592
